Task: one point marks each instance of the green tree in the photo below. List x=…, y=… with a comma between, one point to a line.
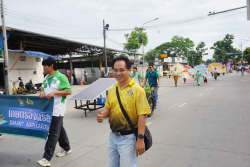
x=135, y=40
x=152, y=54
x=209, y=61
x=246, y=54
x=192, y=57
x=222, y=47
x=200, y=49
x=166, y=48
x=181, y=46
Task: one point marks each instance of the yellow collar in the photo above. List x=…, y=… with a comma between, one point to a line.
x=129, y=84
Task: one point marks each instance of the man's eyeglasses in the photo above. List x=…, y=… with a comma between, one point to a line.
x=149, y=67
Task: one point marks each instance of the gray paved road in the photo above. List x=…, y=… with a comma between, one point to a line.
x=206, y=126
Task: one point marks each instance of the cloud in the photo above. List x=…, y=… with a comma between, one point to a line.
x=84, y=19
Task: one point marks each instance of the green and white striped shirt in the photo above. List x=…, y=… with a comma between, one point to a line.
x=57, y=82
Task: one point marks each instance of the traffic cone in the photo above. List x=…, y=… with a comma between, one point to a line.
x=80, y=81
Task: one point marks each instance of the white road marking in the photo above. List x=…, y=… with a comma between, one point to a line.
x=196, y=94
x=174, y=105
x=201, y=94
x=182, y=105
x=149, y=123
x=219, y=84
x=212, y=88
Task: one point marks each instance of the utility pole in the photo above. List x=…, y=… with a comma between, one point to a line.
x=241, y=55
x=71, y=68
x=6, y=57
x=192, y=60
x=105, y=54
x=143, y=48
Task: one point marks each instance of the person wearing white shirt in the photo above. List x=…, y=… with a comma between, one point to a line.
x=175, y=73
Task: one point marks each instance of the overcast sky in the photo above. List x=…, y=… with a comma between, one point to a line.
x=83, y=20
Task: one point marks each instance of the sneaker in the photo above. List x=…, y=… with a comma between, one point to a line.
x=1, y=136
x=155, y=107
x=43, y=162
x=63, y=152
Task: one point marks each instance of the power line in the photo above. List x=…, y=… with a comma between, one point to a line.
x=46, y=23
x=114, y=42
x=27, y=14
x=62, y=29
x=176, y=23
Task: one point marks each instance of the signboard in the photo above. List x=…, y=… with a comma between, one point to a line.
x=27, y=116
x=184, y=60
x=168, y=60
x=164, y=55
x=178, y=60
x=156, y=61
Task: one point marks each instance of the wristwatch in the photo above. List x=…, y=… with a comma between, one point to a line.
x=140, y=136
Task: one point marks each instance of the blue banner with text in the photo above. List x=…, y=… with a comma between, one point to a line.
x=27, y=116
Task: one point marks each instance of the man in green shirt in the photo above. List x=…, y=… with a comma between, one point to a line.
x=153, y=78
x=135, y=73
x=55, y=85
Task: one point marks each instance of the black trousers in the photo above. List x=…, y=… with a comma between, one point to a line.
x=56, y=133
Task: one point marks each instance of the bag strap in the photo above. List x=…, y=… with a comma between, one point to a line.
x=124, y=112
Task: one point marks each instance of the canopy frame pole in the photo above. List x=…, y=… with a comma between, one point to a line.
x=16, y=61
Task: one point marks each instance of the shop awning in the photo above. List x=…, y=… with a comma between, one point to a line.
x=37, y=54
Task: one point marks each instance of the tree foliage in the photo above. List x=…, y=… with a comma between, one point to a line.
x=200, y=49
x=246, y=54
x=151, y=55
x=222, y=47
x=135, y=40
x=179, y=46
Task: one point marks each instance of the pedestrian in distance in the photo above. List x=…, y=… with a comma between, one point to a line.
x=198, y=76
x=123, y=149
x=154, y=79
x=242, y=70
x=176, y=74
x=215, y=73
x=184, y=79
x=135, y=73
x=205, y=80
x=68, y=74
x=56, y=85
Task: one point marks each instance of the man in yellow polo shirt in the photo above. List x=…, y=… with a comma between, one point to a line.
x=123, y=149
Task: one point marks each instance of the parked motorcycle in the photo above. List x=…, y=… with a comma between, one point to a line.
x=30, y=87
x=39, y=86
x=21, y=89
x=27, y=88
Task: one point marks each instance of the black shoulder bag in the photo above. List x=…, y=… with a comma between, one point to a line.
x=147, y=135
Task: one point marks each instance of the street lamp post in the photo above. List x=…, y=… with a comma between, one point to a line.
x=143, y=48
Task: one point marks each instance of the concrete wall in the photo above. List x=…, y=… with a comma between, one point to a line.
x=24, y=69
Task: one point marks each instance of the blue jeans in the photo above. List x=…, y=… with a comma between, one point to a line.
x=156, y=95
x=121, y=151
